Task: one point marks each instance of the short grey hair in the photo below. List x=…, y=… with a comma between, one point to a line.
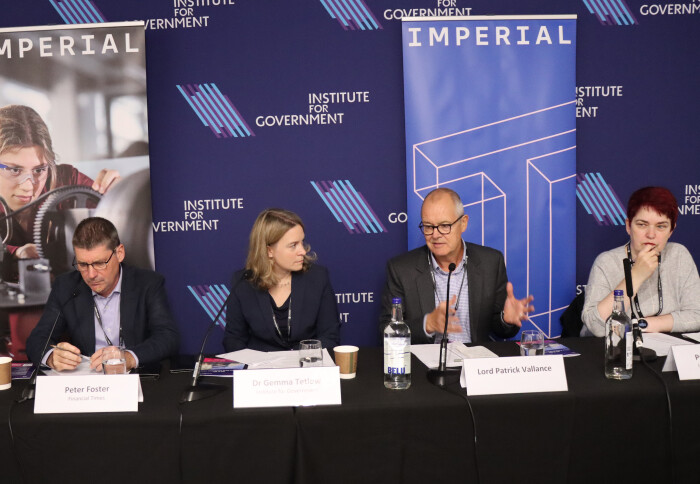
x=459, y=206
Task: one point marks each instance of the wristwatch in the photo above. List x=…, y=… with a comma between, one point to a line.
x=643, y=323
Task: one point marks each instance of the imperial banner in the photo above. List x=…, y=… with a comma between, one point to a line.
x=73, y=144
x=491, y=113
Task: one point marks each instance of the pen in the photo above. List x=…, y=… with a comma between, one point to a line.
x=87, y=358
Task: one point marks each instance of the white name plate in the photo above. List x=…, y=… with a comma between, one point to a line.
x=686, y=360
x=87, y=393
x=286, y=387
x=516, y=374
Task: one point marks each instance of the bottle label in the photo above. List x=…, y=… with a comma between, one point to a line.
x=628, y=350
x=397, y=356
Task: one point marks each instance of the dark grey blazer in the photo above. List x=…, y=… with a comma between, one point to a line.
x=408, y=277
x=148, y=327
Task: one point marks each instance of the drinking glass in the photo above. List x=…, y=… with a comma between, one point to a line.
x=531, y=343
x=310, y=353
x=113, y=361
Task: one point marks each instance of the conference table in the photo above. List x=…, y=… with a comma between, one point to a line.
x=598, y=431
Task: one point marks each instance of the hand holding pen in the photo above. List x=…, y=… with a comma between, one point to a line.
x=65, y=356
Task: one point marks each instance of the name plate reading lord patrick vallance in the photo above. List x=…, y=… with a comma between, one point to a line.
x=516, y=374
x=286, y=387
x=87, y=393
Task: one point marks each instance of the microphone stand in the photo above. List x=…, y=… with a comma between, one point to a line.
x=197, y=390
x=640, y=353
x=30, y=390
x=442, y=376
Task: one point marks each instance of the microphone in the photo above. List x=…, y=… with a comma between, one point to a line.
x=443, y=375
x=640, y=352
x=443, y=356
x=196, y=390
x=636, y=331
x=30, y=390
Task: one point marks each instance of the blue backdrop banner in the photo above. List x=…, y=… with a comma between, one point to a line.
x=491, y=114
x=261, y=103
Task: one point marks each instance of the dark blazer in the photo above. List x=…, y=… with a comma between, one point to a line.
x=314, y=313
x=408, y=277
x=148, y=327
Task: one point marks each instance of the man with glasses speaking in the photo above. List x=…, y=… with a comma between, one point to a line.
x=481, y=298
x=104, y=303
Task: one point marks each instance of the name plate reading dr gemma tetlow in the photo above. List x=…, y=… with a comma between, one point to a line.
x=87, y=393
x=286, y=387
x=515, y=374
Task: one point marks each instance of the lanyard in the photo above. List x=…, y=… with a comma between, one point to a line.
x=659, y=290
x=289, y=322
x=461, y=284
x=99, y=321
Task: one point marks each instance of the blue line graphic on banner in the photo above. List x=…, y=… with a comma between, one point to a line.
x=211, y=297
x=215, y=110
x=351, y=14
x=348, y=206
x=611, y=12
x=599, y=199
x=78, y=11
x=490, y=113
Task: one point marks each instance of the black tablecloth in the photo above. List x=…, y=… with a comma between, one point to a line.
x=599, y=431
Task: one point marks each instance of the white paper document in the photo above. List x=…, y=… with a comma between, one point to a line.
x=271, y=359
x=83, y=368
x=693, y=336
x=662, y=342
x=429, y=354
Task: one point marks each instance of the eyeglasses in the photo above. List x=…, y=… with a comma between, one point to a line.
x=444, y=229
x=20, y=175
x=98, y=266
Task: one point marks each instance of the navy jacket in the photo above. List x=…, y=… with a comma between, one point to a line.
x=148, y=327
x=249, y=321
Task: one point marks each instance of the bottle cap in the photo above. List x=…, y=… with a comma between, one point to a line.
x=618, y=292
x=396, y=300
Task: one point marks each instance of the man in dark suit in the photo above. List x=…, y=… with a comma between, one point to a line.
x=481, y=302
x=104, y=303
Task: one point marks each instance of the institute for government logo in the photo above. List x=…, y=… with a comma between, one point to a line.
x=348, y=206
x=611, y=12
x=599, y=199
x=78, y=11
x=351, y=14
x=211, y=298
x=215, y=110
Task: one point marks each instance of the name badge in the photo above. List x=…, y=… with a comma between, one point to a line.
x=287, y=387
x=686, y=360
x=516, y=374
x=86, y=394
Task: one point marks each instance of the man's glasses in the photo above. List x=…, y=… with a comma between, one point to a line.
x=444, y=229
x=20, y=175
x=98, y=266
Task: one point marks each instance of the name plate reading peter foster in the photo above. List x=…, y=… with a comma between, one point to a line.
x=517, y=374
x=86, y=394
x=287, y=387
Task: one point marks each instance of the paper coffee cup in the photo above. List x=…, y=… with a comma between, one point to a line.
x=5, y=373
x=346, y=359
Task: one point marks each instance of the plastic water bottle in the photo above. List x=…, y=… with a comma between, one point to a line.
x=397, y=350
x=619, y=341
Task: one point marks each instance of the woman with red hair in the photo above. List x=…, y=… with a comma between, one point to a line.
x=665, y=279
